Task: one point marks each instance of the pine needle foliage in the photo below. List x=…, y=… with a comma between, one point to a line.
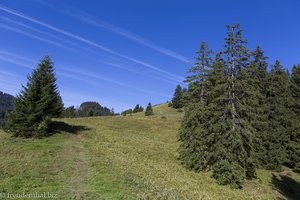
x=36, y=104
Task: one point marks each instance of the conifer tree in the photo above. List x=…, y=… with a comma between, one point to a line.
x=293, y=148
x=278, y=97
x=199, y=73
x=177, y=100
x=36, y=104
x=216, y=135
x=136, y=109
x=197, y=141
x=149, y=110
x=194, y=151
x=233, y=148
x=141, y=109
x=253, y=105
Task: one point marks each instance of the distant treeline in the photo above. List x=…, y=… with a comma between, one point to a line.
x=6, y=104
x=87, y=109
x=136, y=109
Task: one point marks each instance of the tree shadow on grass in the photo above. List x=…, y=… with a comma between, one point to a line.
x=286, y=186
x=58, y=127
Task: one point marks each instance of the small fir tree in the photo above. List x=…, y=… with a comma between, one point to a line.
x=149, y=110
x=136, y=108
x=177, y=101
x=36, y=104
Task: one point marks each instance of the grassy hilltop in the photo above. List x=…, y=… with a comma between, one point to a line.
x=131, y=157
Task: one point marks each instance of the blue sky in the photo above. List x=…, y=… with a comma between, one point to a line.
x=124, y=52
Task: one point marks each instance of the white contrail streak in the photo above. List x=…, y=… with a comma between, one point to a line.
x=86, y=41
x=31, y=35
x=98, y=77
x=44, y=33
x=13, y=61
x=129, y=35
x=6, y=53
x=172, y=81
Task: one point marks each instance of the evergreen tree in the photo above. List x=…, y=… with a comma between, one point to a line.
x=278, y=97
x=136, y=108
x=199, y=72
x=6, y=105
x=233, y=148
x=177, y=99
x=141, y=109
x=89, y=109
x=69, y=112
x=194, y=149
x=149, y=110
x=253, y=105
x=216, y=135
x=36, y=104
x=127, y=112
x=293, y=148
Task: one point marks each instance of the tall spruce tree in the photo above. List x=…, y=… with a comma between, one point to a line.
x=278, y=97
x=293, y=148
x=36, y=104
x=194, y=151
x=233, y=149
x=149, y=110
x=177, y=101
x=199, y=73
x=253, y=109
x=217, y=135
x=197, y=141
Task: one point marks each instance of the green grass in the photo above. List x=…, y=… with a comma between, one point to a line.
x=131, y=157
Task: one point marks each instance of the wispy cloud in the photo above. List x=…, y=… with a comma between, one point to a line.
x=9, y=84
x=10, y=54
x=127, y=34
x=31, y=35
x=138, y=72
x=7, y=73
x=80, y=46
x=96, y=76
x=14, y=61
x=91, y=43
x=77, y=77
x=45, y=33
x=77, y=74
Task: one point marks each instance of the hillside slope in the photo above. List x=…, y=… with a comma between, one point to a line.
x=131, y=157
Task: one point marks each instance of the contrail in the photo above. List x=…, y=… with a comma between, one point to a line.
x=31, y=35
x=6, y=53
x=84, y=17
x=96, y=76
x=86, y=41
x=137, y=72
x=13, y=61
x=172, y=81
x=19, y=60
x=127, y=34
x=45, y=33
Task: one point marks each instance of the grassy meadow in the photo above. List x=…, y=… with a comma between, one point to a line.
x=121, y=157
